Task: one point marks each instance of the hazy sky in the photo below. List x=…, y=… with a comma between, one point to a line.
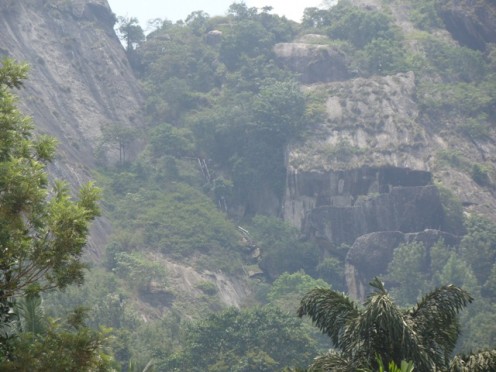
x=175, y=10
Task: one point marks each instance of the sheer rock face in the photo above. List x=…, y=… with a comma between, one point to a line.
x=471, y=23
x=79, y=80
x=406, y=209
x=376, y=122
x=353, y=192
x=368, y=167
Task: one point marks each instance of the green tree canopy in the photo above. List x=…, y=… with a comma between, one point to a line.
x=425, y=333
x=42, y=229
x=261, y=339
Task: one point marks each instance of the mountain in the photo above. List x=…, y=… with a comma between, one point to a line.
x=247, y=157
x=79, y=81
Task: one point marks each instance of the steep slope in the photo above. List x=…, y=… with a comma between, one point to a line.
x=370, y=165
x=79, y=81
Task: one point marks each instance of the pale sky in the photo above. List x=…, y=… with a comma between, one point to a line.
x=175, y=10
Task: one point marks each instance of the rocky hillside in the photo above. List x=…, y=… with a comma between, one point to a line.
x=268, y=157
x=371, y=164
x=79, y=81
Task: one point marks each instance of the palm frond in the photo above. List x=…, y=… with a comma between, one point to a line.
x=381, y=329
x=436, y=320
x=333, y=361
x=31, y=314
x=330, y=311
x=479, y=362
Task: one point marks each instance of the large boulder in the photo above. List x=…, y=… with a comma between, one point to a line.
x=314, y=62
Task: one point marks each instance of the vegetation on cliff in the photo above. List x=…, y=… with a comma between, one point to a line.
x=202, y=200
x=42, y=236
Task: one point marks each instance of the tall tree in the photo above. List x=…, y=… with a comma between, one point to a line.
x=42, y=230
x=130, y=31
x=425, y=334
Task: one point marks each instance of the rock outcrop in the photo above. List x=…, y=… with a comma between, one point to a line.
x=79, y=81
x=365, y=175
x=313, y=59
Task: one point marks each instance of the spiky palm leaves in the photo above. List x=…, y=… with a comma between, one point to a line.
x=478, y=362
x=425, y=334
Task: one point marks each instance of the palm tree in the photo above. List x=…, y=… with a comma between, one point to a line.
x=478, y=362
x=424, y=334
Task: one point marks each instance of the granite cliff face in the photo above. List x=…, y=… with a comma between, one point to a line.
x=367, y=172
x=79, y=81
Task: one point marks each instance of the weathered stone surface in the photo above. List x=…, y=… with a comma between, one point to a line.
x=405, y=209
x=309, y=190
x=376, y=122
x=339, y=206
x=315, y=63
x=370, y=255
x=79, y=81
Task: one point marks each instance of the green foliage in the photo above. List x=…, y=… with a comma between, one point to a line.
x=287, y=289
x=478, y=247
x=241, y=107
x=252, y=34
x=454, y=62
x=453, y=209
x=179, y=221
x=68, y=346
x=165, y=139
x=459, y=98
x=208, y=288
x=140, y=269
x=392, y=367
x=131, y=33
x=42, y=234
x=315, y=18
x=480, y=174
x=331, y=269
x=282, y=251
x=374, y=43
x=247, y=134
x=279, y=110
x=428, y=331
x=264, y=339
x=178, y=67
x=31, y=316
x=358, y=25
x=117, y=137
x=42, y=229
x=478, y=362
x=381, y=56
x=424, y=14
x=408, y=271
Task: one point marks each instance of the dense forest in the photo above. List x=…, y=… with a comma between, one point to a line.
x=202, y=203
